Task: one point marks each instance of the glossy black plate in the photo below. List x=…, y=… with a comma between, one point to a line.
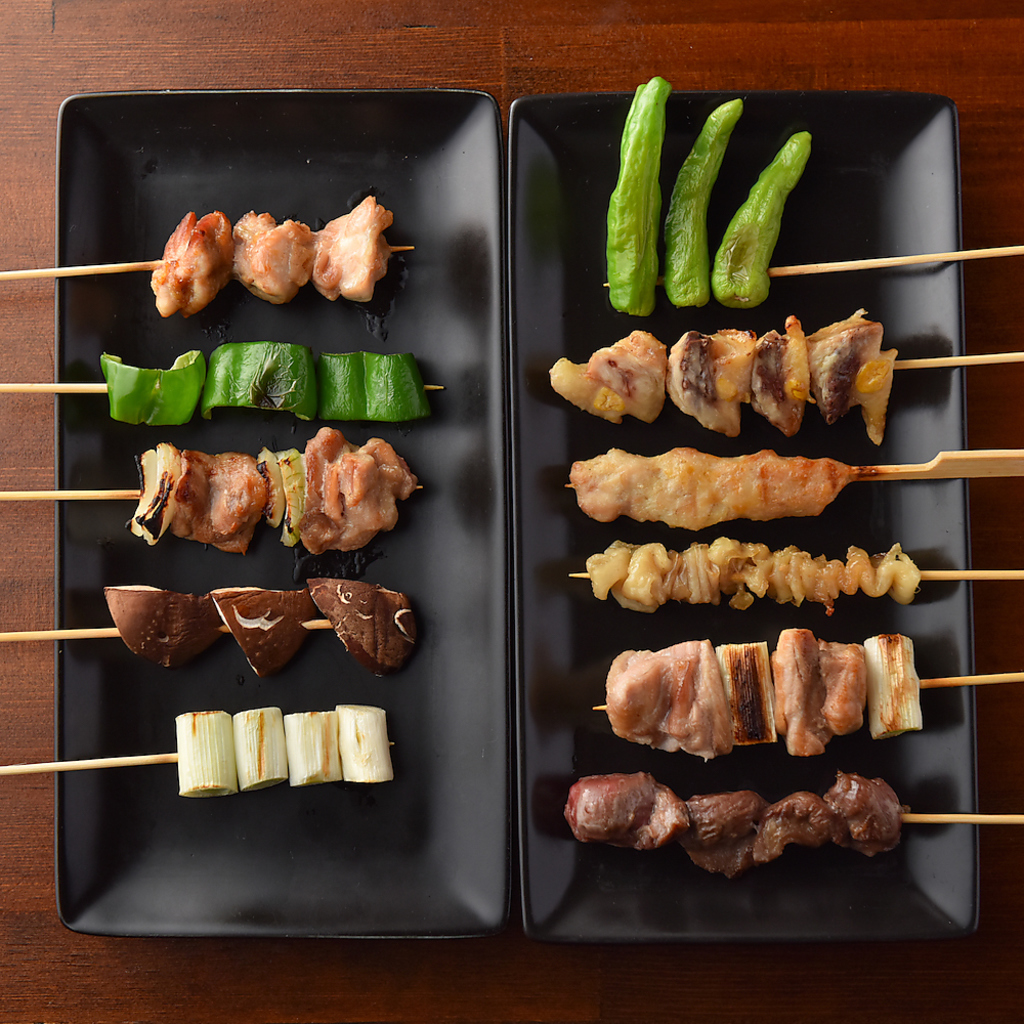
x=426, y=855
x=883, y=179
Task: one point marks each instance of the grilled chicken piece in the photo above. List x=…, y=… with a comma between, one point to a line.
x=197, y=262
x=272, y=260
x=351, y=254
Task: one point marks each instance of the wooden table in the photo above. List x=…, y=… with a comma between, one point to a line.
x=972, y=53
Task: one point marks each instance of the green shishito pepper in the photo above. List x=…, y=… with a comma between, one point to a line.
x=740, y=275
x=369, y=386
x=634, y=210
x=261, y=375
x=687, y=261
x=156, y=397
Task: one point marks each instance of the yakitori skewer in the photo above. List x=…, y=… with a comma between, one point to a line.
x=692, y=490
x=220, y=754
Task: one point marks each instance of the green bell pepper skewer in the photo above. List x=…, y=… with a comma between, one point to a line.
x=687, y=261
x=261, y=375
x=370, y=386
x=634, y=210
x=155, y=397
x=740, y=275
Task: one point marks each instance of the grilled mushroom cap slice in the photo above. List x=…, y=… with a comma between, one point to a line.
x=163, y=626
x=377, y=626
x=266, y=623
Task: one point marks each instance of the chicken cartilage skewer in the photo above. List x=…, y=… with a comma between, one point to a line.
x=703, y=700
x=729, y=833
x=692, y=490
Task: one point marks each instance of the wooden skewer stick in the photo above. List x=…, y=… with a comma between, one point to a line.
x=101, y=388
x=932, y=575
x=81, y=271
x=895, y=261
x=92, y=762
x=109, y=632
x=67, y=495
x=980, y=462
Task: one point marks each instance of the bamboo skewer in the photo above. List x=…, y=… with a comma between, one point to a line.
x=928, y=575
x=110, y=632
x=134, y=760
x=980, y=462
x=895, y=261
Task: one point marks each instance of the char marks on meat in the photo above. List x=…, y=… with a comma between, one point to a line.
x=872, y=811
x=673, y=699
x=723, y=829
x=351, y=492
x=272, y=260
x=197, y=263
x=219, y=499
x=633, y=811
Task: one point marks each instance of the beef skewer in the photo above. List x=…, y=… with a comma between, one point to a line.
x=643, y=577
x=691, y=490
x=705, y=700
x=729, y=833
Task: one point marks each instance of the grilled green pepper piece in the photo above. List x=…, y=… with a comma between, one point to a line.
x=634, y=210
x=370, y=386
x=261, y=375
x=687, y=261
x=156, y=397
x=740, y=275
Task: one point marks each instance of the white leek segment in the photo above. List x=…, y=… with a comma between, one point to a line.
x=206, y=754
x=747, y=674
x=160, y=468
x=894, y=689
x=363, y=741
x=312, y=741
x=292, y=464
x=261, y=753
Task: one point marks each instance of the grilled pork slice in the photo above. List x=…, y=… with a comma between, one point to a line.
x=673, y=699
x=624, y=379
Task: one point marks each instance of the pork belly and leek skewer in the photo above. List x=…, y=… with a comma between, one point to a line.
x=692, y=490
x=345, y=259
x=705, y=700
x=333, y=495
x=710, y=377
x=729, y=833
x=220, y=754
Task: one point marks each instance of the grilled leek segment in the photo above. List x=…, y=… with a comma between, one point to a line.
x=159, y=469
x=292, y=464
x=894, y=689
x=747, y=674
x=261, y=753
x=312, y=741
x=363, y=743
x=206, y=754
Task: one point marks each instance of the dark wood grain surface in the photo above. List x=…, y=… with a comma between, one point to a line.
x=50, y=50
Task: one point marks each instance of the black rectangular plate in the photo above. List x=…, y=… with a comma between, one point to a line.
x=883, y=179
x=425, y=855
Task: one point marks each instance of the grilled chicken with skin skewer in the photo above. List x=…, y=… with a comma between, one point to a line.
x=343, y=260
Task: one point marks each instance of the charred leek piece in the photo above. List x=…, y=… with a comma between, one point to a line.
x=894, y=689
x=747, y=674
x=206, y=754
x=293, y=477
x=363, y=743
x=159, y=469
x=268, y=467
x=261, y=753
x=312, y=741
